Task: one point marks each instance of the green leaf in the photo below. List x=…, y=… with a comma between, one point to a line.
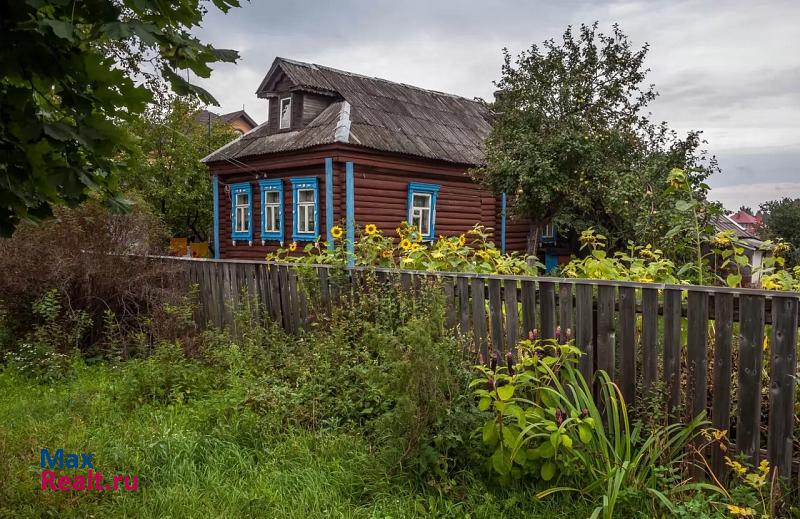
x=683, y=205
x=505, y=392
x=60, y=28
x=566, y=441
x=548, y=471
x=733, y=280
x=484, y=403
x=490, y=433
x=585, y=432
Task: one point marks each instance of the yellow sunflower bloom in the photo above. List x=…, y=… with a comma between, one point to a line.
x=415, y=247
x=405, y=244
x=462, y=240
x=386, y=253
x=370, y=229
x=336, y=231
x=293, y=246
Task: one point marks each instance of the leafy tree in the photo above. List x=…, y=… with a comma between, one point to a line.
x=782, y=222
x=569, y=140
x=72, y=70
x=165, y=167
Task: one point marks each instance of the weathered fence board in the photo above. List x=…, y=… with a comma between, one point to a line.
x=603, y=317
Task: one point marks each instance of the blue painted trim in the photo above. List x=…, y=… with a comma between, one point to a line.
x=431, y=189
x=503, y=224
x=329, y=201
x=243, y=187
x=550, y=263
x=215, y=191
x=350, y=206
x=272, y=185
x=299, y=183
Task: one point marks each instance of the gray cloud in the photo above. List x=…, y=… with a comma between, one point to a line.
x=727, y=68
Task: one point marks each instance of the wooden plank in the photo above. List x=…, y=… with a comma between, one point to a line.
x=450, y=304
x=721, y=395
x=285, y=295
x=528, y=307
x=462, y=287
x=696, y=352
x=605, y=330
x=512, y=314
x=783, y=349
x=324, y=290
x=672, y=349
x=565, y=310
x=583, y=333
x=496, y=314
x=275, y=294
x=649, y=339
x=751, y=311
x=479, y=318
x=627, y=343
x=547, y=307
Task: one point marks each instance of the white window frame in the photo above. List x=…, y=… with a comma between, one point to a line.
x=273, y=208
x=419, y=213
x=307, y=210
x=242, y=213
x=288, y=119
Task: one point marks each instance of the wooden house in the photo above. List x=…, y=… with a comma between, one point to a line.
x=341, y=147
x=239, y=120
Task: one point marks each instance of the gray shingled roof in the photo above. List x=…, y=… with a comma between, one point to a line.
x=376, y=114
x=725, y=223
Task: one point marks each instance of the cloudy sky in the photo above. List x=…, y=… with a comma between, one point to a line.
x=728, y=68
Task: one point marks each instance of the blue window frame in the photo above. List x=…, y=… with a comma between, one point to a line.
x=305, y=209
x=422, y=208
x=242, y=211
x=271, y=209
x=548, y=234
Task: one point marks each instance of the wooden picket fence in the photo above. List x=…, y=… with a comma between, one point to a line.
x=644, y=335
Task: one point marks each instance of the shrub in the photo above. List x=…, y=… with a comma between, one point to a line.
x=93, y=259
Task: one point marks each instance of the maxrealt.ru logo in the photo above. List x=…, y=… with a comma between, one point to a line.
x=91, y=480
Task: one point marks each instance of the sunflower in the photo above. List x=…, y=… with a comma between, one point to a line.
x=386, y=253
x=415, y=247
x=405, y=244
x=293, y=246
x=370, y=229
x=462, y=240
x=336, y=231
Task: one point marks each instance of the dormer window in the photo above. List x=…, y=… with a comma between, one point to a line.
x=285, y=114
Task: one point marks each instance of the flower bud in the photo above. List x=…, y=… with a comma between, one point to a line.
x=584, y=412
x=558, y=333
x=493, y=361
x=569, y=334
x=510, y=362
x=559, y=417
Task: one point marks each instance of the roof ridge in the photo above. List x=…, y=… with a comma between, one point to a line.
x=316, y=66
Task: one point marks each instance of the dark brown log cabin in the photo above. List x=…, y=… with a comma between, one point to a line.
x=340, y=147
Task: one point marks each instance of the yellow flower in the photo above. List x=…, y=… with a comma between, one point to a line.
x=370, y=229
x=765, y=343
x=415, y=247
x=438, y=255
x=336, y=231
x=768, y=283
x=386, y=253
x=462, y=240
x=763, y=466
x=407, y=260
x=735, y=465
x=293, y=246
x=405, y=244
x=741, y=511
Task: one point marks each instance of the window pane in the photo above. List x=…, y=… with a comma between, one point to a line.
x=310, y=227
x=272, y=197
x=305, y=195
x=241, y=219
x=286, y=113
x=421, y=201
x=241, y=199
x=425, y=220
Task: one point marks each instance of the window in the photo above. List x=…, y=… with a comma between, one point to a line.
x=285, y=115
x=271, y=209
x=241, y=213
x=548, y=234
x=422, y=208
x=304, y=209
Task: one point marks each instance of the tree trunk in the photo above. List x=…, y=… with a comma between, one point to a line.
x=532, y=248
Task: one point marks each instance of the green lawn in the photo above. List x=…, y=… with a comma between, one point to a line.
x=211, y=457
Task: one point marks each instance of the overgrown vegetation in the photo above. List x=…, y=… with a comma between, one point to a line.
x=371, y=412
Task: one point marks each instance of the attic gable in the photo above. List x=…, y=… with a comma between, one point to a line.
x=288, y=76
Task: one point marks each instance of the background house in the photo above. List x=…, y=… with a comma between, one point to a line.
x=238, y=120
x=754, y=248
x=342, y=147
x=752, y=224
